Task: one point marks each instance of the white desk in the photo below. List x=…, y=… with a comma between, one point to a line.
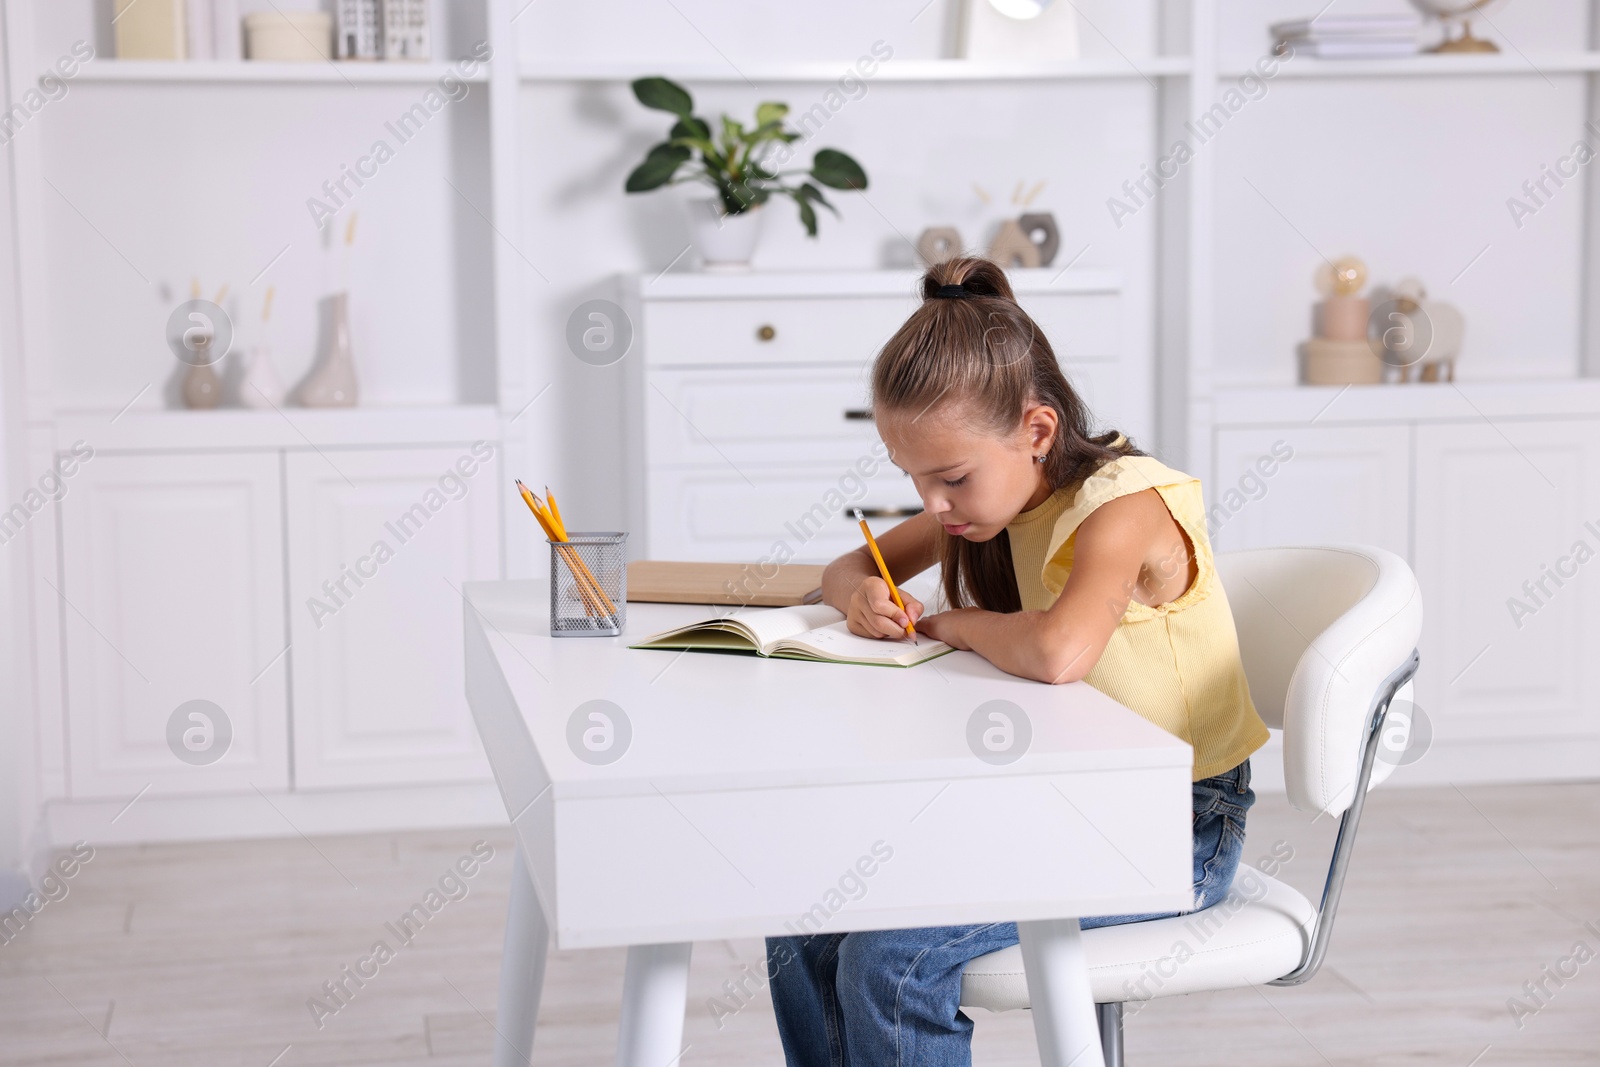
x=749, y=787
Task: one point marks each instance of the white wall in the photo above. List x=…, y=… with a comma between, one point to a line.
x=923, y=146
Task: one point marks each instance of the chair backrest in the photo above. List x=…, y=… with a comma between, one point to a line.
x=1321, y=630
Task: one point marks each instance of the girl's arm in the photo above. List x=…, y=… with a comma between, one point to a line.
x=1065, y=642
x=851, y=583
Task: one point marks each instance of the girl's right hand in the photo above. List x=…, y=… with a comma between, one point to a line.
x=873, y=612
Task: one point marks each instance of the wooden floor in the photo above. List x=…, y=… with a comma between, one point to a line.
x=207, y=954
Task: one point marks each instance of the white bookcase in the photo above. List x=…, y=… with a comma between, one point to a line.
x=481, y=235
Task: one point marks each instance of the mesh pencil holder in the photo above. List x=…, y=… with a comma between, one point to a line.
x=589, y=585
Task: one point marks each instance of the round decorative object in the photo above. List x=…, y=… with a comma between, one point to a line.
x=766, y=332
x=1447, y=11
x=1040, y=228
x=938, y=243
x=1349, y=275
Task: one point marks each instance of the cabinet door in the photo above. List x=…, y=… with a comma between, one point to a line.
x=1311, y=485
x=1508, y=535
x=172, y=569
x=379, y=544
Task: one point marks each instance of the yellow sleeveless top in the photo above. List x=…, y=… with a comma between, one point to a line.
x=1176, y=664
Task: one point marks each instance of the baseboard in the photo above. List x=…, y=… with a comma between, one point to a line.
x=1464, y=762
x=216, y=818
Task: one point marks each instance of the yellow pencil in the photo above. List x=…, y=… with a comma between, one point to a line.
x=555, y=509
x=588, y=586
x=883, y=569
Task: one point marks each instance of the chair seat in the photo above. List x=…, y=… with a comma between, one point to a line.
x=1258, y=932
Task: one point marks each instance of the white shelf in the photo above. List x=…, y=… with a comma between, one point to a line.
x=701, y=285
x=1426, y=65
x=1330, y=405
x=329, y=72
x=241, y=428
x=911, y=70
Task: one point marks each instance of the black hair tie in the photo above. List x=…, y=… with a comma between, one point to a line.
x=956, y=291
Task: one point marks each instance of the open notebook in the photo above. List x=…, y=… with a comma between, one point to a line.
x=808, y=631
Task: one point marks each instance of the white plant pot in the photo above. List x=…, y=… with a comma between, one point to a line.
x=725, y=242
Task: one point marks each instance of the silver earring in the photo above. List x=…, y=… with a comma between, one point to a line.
x=1038, y=459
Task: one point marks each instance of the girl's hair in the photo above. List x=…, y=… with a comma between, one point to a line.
x=970, y=344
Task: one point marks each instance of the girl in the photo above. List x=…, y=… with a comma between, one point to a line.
x=1064, y=557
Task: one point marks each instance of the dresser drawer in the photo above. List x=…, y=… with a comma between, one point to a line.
x=787, y=330
x=717, y=515
x=782, y=415
x=799, y=415
x=846, y=330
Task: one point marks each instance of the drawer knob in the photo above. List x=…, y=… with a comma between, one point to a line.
x=766, y=332
x=857, y=415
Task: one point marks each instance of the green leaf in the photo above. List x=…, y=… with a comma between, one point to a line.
x=690, y=128
x=811, y=192
x=770, y=131
x=705, y=146
x=808, y=216
x=837, y=170
x=739, y=197
x=657, y=169
x=716, y=162
x=660, y=94
x=770, y=112
x=732, y=132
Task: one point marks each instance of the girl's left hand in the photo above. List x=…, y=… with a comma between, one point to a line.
x=946, y=626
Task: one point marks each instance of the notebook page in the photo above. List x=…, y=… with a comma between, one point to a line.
x=836, y=642
x=771, y=625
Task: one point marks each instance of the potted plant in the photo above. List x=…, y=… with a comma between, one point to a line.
x=741, y=165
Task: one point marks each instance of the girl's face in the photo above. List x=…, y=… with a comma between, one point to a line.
x=973, y=481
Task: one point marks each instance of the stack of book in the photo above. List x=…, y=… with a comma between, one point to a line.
x=1348, y=36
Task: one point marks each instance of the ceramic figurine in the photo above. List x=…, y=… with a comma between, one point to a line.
x=938, y=243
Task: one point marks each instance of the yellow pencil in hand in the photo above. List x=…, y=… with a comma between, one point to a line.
x=883, y=569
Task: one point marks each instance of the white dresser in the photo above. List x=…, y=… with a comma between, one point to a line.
x=750, y=435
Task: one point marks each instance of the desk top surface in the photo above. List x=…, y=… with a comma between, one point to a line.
x=702, y=721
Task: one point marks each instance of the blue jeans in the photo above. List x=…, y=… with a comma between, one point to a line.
x=893, y=997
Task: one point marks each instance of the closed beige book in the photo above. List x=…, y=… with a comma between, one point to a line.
x=655, y=581
x=151, y=29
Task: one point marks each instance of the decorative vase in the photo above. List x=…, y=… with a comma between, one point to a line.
x=332, y=383
x=202, y=387
x=259, y=386
x=725, y=242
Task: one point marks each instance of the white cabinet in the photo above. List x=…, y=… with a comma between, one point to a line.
x=172, y=590
x=1508, y=558
x=748, y=406
x=379, y=542
x=1305, y=485
x=782, y=514
x=313, y=595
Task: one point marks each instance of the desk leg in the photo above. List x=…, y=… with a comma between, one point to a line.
x=655, y=989
x=521, y=970
x=1058, y=986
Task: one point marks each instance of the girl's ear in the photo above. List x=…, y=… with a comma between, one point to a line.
x=1040, y=424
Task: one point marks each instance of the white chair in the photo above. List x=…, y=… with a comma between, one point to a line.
x=1328, y=636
